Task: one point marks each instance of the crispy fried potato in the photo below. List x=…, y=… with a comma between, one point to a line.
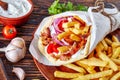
x=94, y=62
x=108, y=41
x=78, y=18
x=63, y=49
x=109, y=51
x=76, y=31
x=63, y=34
x=75, y=67
x=104, y=57
x=99, y=47
x=89, y=69
x=114, y=39
x=116, y=76
x=95, y=75
x=116, y=53
x=61, y=74
x=105, y=45
x=115, y=44
x=85, y=30
x=75, y=37
x=117, y=61
x=104, y=78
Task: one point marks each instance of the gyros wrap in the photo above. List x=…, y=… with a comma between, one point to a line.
x=71, y=36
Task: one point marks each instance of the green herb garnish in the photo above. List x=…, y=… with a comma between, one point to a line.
x=57, y=7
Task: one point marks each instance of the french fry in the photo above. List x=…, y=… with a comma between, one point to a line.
x=70, y=24
x=104, y=57
x=75, y=67
x=116, y=76
x=109, y=51
x=94, y=62
x=85, y=30
x=78, y=18
x=108, y=41
x=105, y=45
x=89, y=69
x=115, y=44
x=119, y=68
x=61, y=74
x=63, y=49
x=99, y=47
x=95, y=75
x=114, y=39
x=75, y=37
x=116, y=61
x=104, y=78
x=63, y=34
x=116, y=53
x=76, y=31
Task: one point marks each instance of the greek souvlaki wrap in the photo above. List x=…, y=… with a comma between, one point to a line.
x=71, y=36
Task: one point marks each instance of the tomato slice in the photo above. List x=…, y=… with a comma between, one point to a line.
x=9, y=31
x=55, y=48
x=61, y=23
x=52, y=48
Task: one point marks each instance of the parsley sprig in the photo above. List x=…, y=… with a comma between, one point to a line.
x=57, y=7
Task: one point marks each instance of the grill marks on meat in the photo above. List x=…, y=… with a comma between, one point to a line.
x=46, y=37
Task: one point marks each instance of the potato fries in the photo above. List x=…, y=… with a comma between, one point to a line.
x=116, y=53
x=102, y=64
x=105, y=45
x=108, y=41
x=90, y=69
x=76, y=68
x=106, y=58
x=116, y=76
x=60, y=74
x=95, y=75
x=94, y=62
x=104, y=78
x=115, y=39
x=117, y=61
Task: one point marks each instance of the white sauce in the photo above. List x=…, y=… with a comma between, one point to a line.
x=16, y=8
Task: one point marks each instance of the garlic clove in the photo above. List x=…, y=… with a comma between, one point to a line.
x=19, y=42
x=20, y=73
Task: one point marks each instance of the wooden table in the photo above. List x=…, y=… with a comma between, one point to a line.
x=26, y=31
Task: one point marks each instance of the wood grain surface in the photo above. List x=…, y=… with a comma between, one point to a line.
x=26, y=31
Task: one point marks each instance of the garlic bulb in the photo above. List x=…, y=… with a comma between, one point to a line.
x=20, y=73
x=16, y=50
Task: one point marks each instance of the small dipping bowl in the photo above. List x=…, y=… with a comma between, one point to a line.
x=19, y=20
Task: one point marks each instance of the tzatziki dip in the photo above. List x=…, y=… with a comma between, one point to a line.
x=16, y=8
